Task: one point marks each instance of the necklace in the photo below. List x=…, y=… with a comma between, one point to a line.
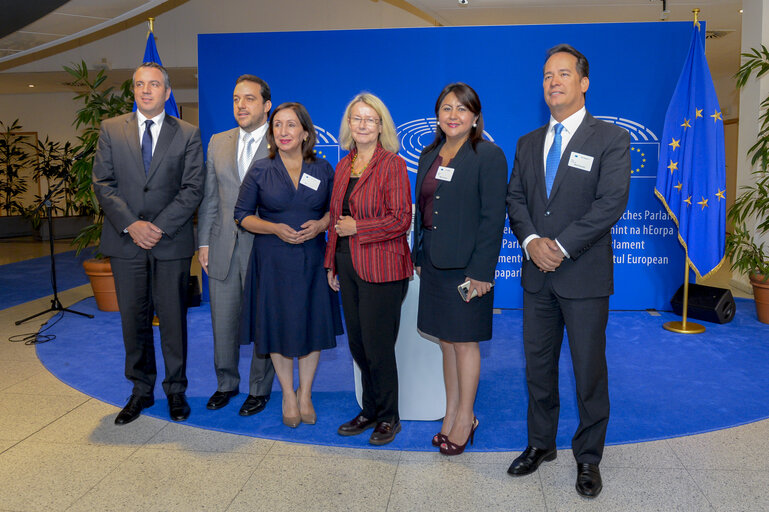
x=352, y=167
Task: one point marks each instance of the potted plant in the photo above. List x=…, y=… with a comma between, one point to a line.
x=99, y=103
x=14, y=157
x=749, y=255
x=54, y=163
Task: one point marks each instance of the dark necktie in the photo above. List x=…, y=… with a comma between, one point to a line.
x=147, y=146
x=553, y=159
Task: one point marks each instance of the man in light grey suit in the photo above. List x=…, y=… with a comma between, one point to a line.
x=148, y=177
x=225, y=248
x=569, y=186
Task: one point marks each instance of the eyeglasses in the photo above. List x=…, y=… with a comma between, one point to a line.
x=368, y=121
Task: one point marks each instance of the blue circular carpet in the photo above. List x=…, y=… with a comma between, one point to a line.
x=662, y=384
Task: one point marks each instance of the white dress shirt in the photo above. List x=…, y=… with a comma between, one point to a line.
x=157, y=123
x=570, y=125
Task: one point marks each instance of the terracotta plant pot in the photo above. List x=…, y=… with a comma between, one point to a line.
x=761, y=295
x=103, y=283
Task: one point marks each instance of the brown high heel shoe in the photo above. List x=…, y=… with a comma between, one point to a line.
x=449, y=448
x=310, y=418
x=292, y=421
x=439, y=438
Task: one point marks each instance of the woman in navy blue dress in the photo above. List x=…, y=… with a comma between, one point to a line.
x=289, y=310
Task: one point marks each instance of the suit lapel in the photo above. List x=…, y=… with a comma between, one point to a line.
x=167, y=132
x=539, y=164
x=131, y=133
x=422, y=172
x=582, y=134
x=231, y=150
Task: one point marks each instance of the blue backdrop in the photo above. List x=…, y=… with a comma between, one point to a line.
x=633, y=71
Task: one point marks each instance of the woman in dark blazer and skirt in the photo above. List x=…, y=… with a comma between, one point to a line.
x=460, y=217
x=368, y=258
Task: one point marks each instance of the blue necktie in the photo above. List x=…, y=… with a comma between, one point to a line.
x=147, y=146
x=553, y=159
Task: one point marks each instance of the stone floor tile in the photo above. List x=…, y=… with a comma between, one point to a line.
x=21, y=415
x=284, y=483
x=743, y=491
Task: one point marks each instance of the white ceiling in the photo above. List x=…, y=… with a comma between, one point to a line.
x=78, y=18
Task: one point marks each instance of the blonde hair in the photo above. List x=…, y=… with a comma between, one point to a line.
x=388, y=137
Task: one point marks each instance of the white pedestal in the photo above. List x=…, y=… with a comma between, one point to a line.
x=421, y=395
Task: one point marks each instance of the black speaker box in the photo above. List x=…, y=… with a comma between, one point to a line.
x=706, y=303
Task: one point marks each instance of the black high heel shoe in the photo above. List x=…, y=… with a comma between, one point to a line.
x=439, y=438
x=449, y=448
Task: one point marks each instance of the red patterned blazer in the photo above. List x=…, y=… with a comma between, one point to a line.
x=380, y=203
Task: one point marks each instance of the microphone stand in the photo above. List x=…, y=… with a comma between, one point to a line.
x=55, y=302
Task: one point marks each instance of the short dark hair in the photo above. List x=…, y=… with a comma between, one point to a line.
x=308, y=145
x=253, y=78
x=583, y=68
x=467, y=97
x=156, y=66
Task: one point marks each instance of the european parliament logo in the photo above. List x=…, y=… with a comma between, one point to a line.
x=327, y=146
x=644, y=147
x=415, y=136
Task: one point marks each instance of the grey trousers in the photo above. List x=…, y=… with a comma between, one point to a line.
x=226, y=302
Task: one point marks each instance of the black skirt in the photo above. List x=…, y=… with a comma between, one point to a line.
x=442, y=312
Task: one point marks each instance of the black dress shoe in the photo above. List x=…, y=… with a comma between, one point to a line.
x=133, y=409
x=220, y=399
x=589, y=482
x=355, y=426
x=528, y=462
x=178, y=407
x=384, y=432
x=253, y=405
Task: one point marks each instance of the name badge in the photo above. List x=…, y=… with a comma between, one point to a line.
x=444, y=173
x=309, y=181
x=580, y=161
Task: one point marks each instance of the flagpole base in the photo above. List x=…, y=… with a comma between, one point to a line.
x=678, y=326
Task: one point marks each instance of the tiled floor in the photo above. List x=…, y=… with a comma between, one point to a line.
x=59, y=450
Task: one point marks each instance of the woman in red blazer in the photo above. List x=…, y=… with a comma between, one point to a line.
x=368, y=257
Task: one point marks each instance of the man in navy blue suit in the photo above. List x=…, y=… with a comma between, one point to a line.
x=569, y=186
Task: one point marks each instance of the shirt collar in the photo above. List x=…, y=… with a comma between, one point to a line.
x=257, y=134
x=157, y=120
x=571, y=123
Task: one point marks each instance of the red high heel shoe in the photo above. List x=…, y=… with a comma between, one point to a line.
x=449, y=448
x=439, y=438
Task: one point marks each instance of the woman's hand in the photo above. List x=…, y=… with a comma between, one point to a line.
x=418, y=270
x=333, y=281
x=482, y=287
x=286, y=233
x=310, y=230
x=346, y=226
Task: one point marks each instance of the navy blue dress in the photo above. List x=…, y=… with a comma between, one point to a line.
x=288, y=306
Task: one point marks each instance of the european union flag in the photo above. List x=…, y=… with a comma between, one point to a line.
x=151, y=55
x=691, y=174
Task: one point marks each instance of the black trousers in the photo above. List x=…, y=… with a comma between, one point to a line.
x=372, y=314
x=544, y=316
x=145, y=285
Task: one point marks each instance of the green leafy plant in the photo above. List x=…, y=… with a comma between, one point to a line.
x=14, y=157
x=99, y=103
x=747, y=255
x=54, y=164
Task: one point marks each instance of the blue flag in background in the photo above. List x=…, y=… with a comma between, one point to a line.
x=151, y=55
x=691, y=174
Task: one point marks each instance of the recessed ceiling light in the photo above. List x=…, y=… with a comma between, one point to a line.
x=740, y=11
x=30, y=85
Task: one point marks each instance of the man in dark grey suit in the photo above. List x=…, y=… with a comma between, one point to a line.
x=225, y=248
x=569, y=186
x=148, y=177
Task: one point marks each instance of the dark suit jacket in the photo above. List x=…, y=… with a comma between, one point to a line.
x=167, y=196
x=582, y=208
x=467, y=230
x=216, y=228
x=380, y=203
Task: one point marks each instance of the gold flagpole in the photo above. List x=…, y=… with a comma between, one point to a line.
x=683, y=327
x=151, y=24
